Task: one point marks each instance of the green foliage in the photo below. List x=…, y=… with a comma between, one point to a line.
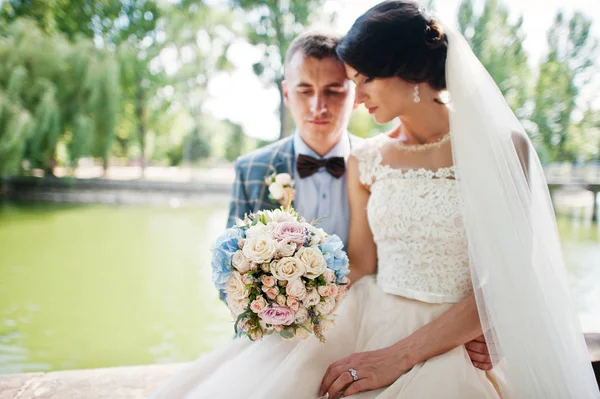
x=55, y=87
x=498, y=43
x=272, y=26
x=566, y=68
x=236, y=143
x=362, y=124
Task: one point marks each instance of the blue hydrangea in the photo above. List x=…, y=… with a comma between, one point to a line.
x=335, y=256
x=222, y=253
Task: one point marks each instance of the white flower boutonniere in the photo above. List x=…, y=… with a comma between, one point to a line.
x=281, y=189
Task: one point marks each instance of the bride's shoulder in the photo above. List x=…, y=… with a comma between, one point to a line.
x=369, y=147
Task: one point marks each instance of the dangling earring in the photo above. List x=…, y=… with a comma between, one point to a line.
x=416, y=98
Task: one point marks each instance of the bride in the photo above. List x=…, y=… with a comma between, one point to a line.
x=452, y=235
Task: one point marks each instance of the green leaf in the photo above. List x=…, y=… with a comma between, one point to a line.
x=286, y=334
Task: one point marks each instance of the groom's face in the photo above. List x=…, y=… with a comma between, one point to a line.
x=318, y=94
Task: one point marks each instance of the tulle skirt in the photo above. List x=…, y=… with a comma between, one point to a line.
x=368, y=319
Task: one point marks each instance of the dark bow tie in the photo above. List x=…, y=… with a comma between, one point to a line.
x=308, y=166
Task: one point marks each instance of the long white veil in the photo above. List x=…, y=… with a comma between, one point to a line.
x=517, y=267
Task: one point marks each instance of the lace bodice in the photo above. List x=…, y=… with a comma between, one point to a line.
x=416, y=223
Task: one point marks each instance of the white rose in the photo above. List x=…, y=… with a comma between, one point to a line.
x=296, y=288
x=313, y=260
x=312, y=298
x=260, y=249
x=326, y=324
x=258, y=229
x=316, y=234
x=279, y=216
x=287, y=269
x=283, y=179
x=285, y=249
x=237, y=307
x=240, y=262
x=235, y=287
x=302, y=333
x=276, y=191
x=301, y=316
x=325, y=307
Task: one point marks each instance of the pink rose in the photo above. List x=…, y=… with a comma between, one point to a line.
x=293, y=303
x=290, y=231
x=277, y=315
x=329, y=276
x=296, y=288
x=312, y=298
x=246, y=279
x=267, y=280
x=329, y=290
x=258, y=305
x=342, y=291
x=334, y=290
x=301, y=315
x=280, y=299
x=272, y=293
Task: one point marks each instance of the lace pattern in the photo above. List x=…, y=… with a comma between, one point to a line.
x=416, y=223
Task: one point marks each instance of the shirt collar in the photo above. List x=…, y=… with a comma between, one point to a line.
x=341, y=149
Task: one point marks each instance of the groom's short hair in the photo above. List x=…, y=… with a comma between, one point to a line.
x=317, y=43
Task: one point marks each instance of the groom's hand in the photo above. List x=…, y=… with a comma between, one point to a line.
x=479, y=354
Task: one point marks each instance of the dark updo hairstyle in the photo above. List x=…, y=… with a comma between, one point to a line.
x=394, y=38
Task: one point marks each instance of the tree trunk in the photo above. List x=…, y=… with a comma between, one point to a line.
x=139, y=112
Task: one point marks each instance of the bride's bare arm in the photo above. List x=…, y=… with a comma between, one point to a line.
x=361, y=247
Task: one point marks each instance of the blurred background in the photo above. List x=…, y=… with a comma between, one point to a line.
x=119, y=123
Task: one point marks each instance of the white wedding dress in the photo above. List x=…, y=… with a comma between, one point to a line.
x=422, y=271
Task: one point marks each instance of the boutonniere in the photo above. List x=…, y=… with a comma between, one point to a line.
x=281, y=189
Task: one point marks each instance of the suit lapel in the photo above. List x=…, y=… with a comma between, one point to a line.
x=283, y=160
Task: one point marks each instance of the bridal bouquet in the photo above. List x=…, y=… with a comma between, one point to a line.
x=280, y=274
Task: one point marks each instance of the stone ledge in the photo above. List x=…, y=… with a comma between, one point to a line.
x=108, y=383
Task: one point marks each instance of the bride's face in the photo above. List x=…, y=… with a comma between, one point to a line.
x=385, y=98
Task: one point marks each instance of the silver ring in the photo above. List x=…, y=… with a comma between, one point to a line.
x=354, y=374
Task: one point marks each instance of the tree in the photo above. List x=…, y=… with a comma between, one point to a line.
x=236, y=142
x=272, y=27
x=498, y=43
x=197, y=39
x=567, y=67
x=67, y=93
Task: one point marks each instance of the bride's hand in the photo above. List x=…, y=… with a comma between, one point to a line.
x=374, y=370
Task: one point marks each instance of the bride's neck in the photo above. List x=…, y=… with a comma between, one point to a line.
x=429, y=123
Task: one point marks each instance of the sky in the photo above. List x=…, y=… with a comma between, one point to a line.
x=242, y=98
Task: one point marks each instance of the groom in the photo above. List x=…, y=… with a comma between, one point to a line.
x=320, y=99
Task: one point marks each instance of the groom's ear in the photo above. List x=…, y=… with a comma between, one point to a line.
x=285, y=91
